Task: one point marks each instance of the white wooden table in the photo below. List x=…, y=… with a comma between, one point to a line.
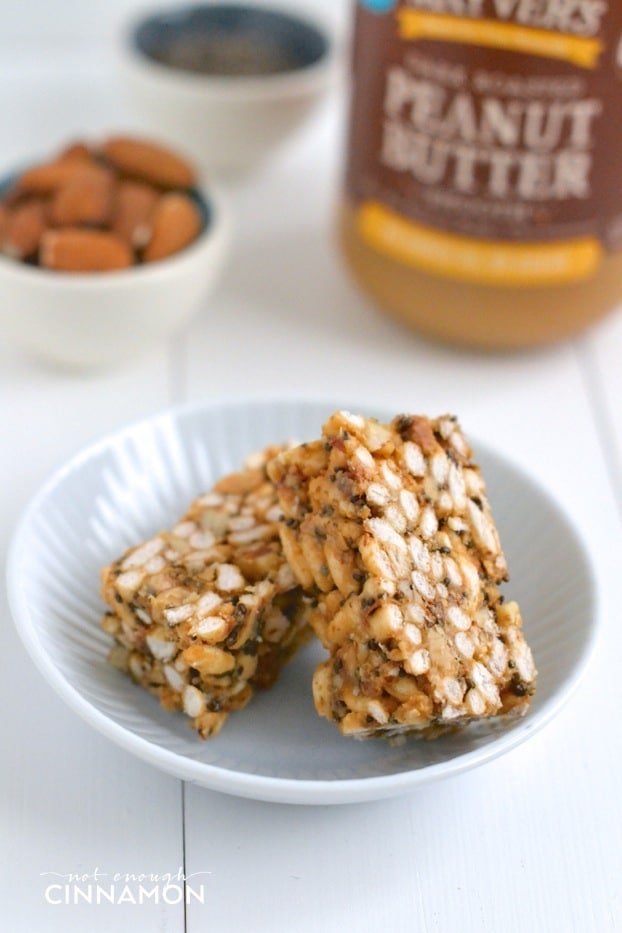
x=531, y=843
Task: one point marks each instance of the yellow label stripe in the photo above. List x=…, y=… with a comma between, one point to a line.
x=414, y=24
x=476, y=260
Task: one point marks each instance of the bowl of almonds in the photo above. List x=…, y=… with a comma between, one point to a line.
x=106, y=248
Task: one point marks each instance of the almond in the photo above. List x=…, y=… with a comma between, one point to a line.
x=25, y=226
x=77, y=151
x=85, y=199
x=148, y=162
x=133, y=212
x=74, y=250
x=49, y=177
x=176, y=223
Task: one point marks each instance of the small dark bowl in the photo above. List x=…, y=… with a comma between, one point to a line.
x=227, y=82
x=230, y=41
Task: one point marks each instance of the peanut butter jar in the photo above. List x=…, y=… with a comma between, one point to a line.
x=483, y=182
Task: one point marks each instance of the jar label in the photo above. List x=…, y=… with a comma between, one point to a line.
x=486, y=136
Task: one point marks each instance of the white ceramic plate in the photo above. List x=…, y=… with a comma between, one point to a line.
x=132, y=484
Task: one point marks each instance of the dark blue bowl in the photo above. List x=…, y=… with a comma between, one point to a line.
x=230, y=40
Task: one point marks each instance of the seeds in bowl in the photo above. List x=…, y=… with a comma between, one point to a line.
x=102, y=207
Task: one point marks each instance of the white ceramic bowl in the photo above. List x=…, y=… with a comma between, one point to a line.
x=106, y=319
x=228, y=123
x=133, y=483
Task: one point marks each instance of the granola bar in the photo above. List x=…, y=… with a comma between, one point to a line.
x=204, y=613
x=390, y=529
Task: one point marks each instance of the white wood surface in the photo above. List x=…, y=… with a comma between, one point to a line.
x=531, y=843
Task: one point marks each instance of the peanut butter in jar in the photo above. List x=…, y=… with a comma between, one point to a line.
x=483, y=190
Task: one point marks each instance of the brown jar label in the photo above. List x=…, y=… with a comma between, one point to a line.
x=485, y=136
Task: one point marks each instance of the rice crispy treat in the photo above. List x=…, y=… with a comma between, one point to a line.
x=389, y=528
x=206, y=612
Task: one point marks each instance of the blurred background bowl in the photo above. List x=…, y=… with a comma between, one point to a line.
x=86, y=320
x=229, y=82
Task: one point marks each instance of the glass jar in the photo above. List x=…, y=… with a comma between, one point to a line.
x=483, y=185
